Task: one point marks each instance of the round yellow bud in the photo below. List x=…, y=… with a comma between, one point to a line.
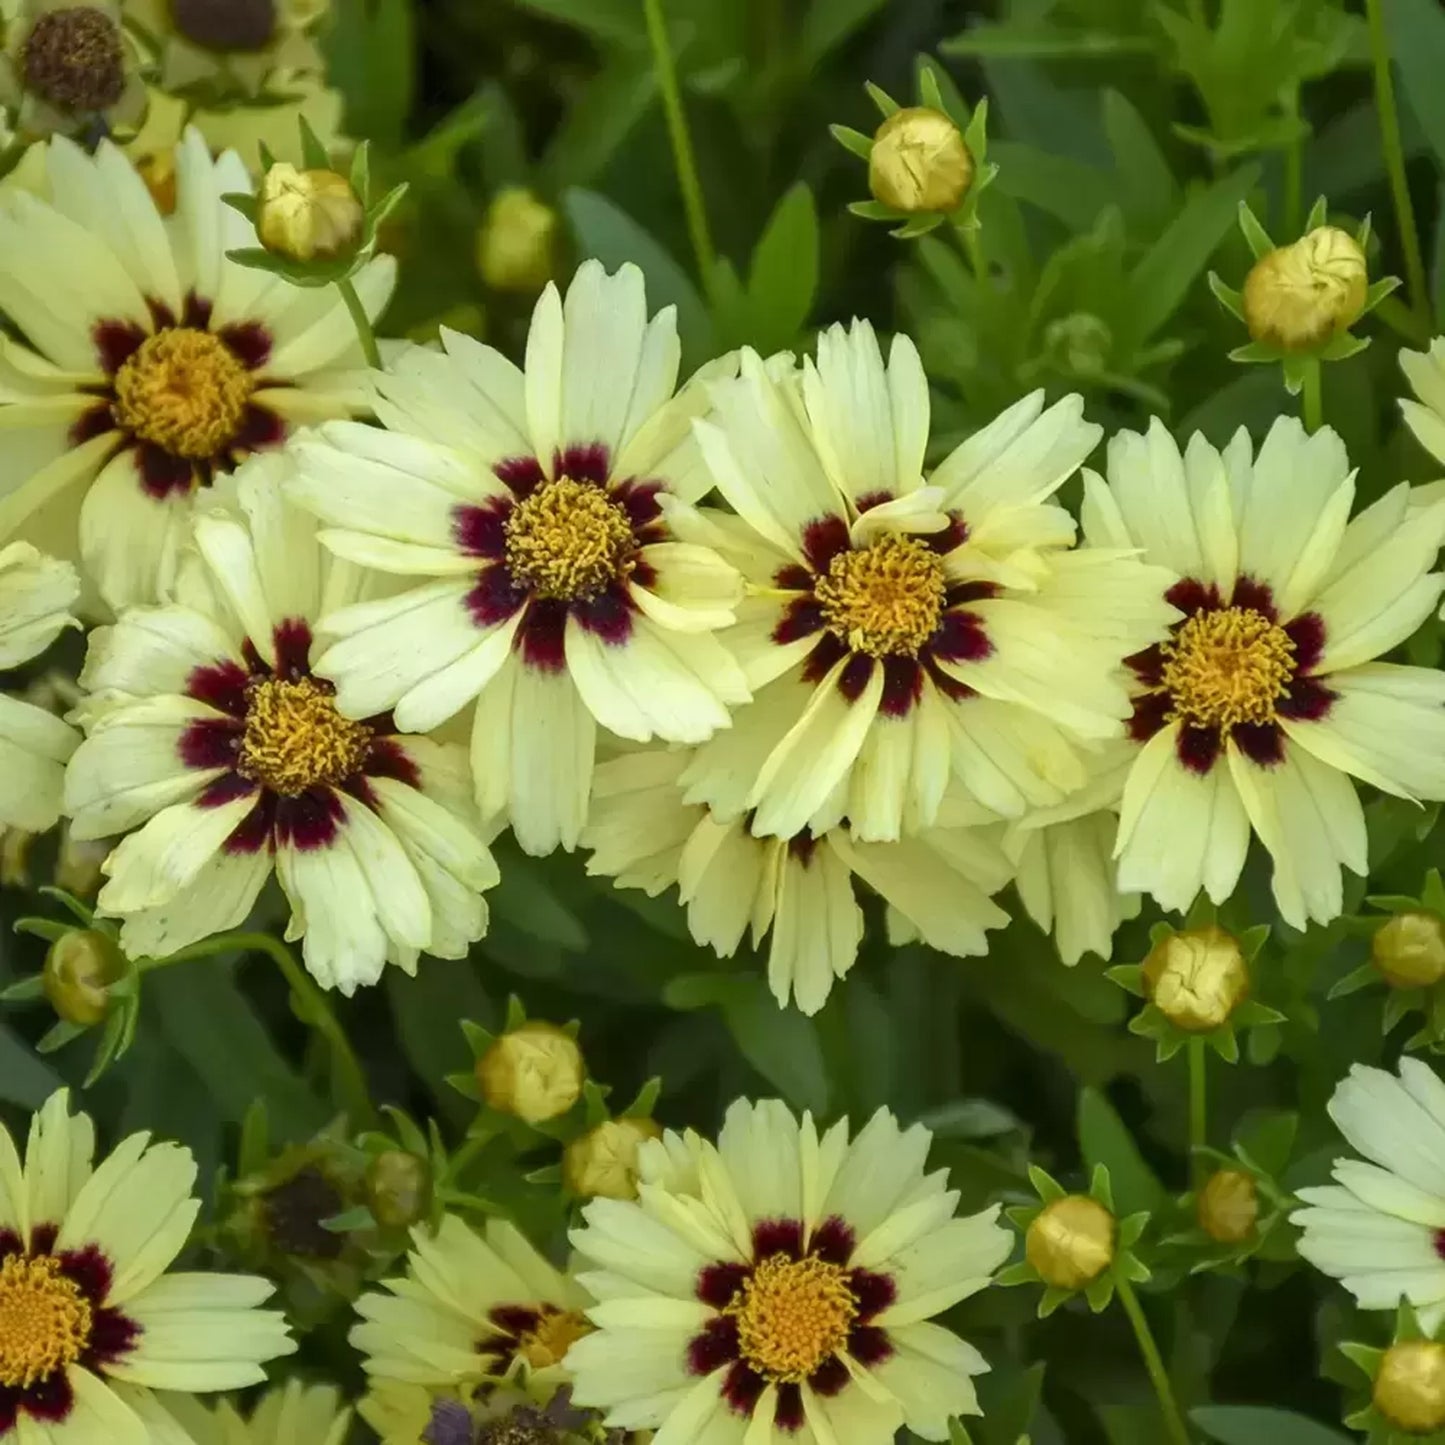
x=534, y=1072
x=1410, y=1386
x=1071, y=1241
x=1300, y=296
x=516, y=246
x=1197, y=978
x=79, y=969
x=919, y=162
x=604, y=1160
x=1228, y=1206
x=308, y=215
x=397, y=1188
x=1409, y=950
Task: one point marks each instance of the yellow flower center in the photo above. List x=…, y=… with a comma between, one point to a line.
x=295, y=738
x=184, y=390
x=569, y=539
x=44, y=1320
x=793, y=1315
x=1227, y=667
x=555, y=1334
x=885, y=600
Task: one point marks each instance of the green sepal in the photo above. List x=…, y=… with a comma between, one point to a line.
x=350, y=1221
x=1227, y=296
x=880, y=97
x=27, y=990
x=1255, y=236
x=852, y=140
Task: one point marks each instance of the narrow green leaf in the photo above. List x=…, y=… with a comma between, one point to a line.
x=1255, y=1425
x=616, y=22
x=781, y=1044
x=1417, y=40
x=373, y=63
x=1104, y=1140
x=829, y=23
x=783, y=281
x=1147, y=189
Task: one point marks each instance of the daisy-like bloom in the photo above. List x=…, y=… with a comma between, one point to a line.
x=1067, y=878
x=294, y=1414
x=541, y=506
x=36, y=597
x=211, y=737
x=471, y=1307
x=229, y=44
x=1380, y=1227
x=1425, y=415
x=71, y=69
x=779, y=1287
x=151, y=364
x=90, y=1322
x=939, y=630
x=1266, y=697
x=797, y=892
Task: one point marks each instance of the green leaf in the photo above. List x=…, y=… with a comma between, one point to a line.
x=1417, y=40
x=597, y=123
x=783, y=281
x=1170, y=267
x=611, y=235
x=1147, y=189
x=1103, y=1139
x=781, y=1044
x=1072, y=190
x=1043, y=42
x=829, y=23
x=373, y=62
x=1255, y=1425
x=610, y=21
x=426, y=1009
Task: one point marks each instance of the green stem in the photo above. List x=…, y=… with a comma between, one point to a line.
x=1313, y=405
x=1153, y=1362
x=1198, y=1105
x=1394, y=148
x=466, y=1156
x=311, y=1008
x=683, y=157
x=1294, y=185
x=362, y=322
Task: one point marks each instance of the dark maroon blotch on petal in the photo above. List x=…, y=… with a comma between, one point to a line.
x=640, y=501
x=10, y=1243
x=829, y=651
x=718, y=1283
x=162, y=317
x=93, y=422
x=310, y=820
x=43, y=1237
x=260, y=429
x=1307, y=632
x=778, y=1236
x=1190, y=596
x=793, y=577
x=902, y=686
x=590, y=463
x=228, y=788
x=115, y=343
x=963, y=592
x=249, y=342
x=163, y=475
x=950, y=687
x=291, y=638
x=833, y=1241
x=197, y=313
x=823, y=539
x=255, y=831
x=742, y=1388
x=961, y=638
x=869, y=1345
x=1308, y=700
x=9, y=1408
x=608, y=615
x=1261, y=743
x=869, y=500
x=715, y=1346
x=790, y=1417
x=856, y=675
x=522, y=474
x=802, y=846
x=1147, y=666
x=952, y=536
x=541, y=639
x=830, y=1378
x=389, y=758
x=112, y=1337
x=1251, y=593
x=481, y=531
x=495, y=596
x=51, y=1399
x=222, y=685
x=1151, y=712
x=874, y=1292
x=1197, y=749
x=801, y=618
x=515, y=1319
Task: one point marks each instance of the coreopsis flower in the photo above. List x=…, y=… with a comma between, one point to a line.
x=151, y=364
x=1065, y=873
x=779, y=1280
x=291, y=1414
x=540, y=507
x=1378, y=1227
x=90, y=1321
x=472, y=1307
x=229, y=44
x=798, y=891
x=1425, y=413
x=904, y=633
x=70, y=68
x=1265, y=699
x=215, y=747
x=37, y=594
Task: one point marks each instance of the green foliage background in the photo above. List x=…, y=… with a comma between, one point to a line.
x=1126, y=132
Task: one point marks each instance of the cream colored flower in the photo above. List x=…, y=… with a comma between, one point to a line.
x=90, y=1322
x=152, y=364
x=782, y=1282
x=797, y=892
x=559, y=597
x=1266, y=699
x=218, y=752
x=471, y=1307
x=903, y=634
x=291, y=1414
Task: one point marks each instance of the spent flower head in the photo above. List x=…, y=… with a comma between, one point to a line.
x=1300, y=300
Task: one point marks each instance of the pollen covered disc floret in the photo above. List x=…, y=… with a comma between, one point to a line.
x=184, y=390
x=886, y=599
x=568, y=539
x=295, y=739
x=1229, y=666
x=45, y=1320
x=793, y=1315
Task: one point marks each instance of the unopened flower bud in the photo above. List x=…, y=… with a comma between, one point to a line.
x=534, y=1072
x=1299, y=296
x=308, y=215
x=516, y=247
x=1409, y=950
x=1228, y=1206
x=1197, y=978
x=1410, y=1386
x=604, y=1160
x=1071, y=1241
x=398, y=1185
x=79, y=969
x=919, y=162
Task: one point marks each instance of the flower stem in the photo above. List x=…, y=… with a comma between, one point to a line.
x=683, y=156
x=1294, y=199
x=466, y=1156
x=1153, y=1363
x=310, y=1003
x=1394, y=150
x=362, y=322
x=1313, y=402
x=1198, y=1105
